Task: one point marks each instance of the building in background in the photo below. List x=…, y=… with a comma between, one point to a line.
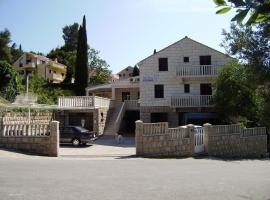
x=125, y=73
x=50, y=70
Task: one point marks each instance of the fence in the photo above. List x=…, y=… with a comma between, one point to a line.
x=40, y=139
x=157, y=140
x=233, y=141
x=83, y=101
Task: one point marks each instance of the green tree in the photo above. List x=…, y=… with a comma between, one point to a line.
x=70, y=36
x=81, y=70
x=235, y=96
x=8, y=81
x=16, y=53
x=100, y=68
x=251, y=46
x=5, y=53
x=258, y=10
x=136, y=71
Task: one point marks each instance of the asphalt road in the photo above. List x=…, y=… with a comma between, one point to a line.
x=41, y=178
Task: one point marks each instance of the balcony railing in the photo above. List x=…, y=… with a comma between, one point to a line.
x=192, y=101
x=30, y=65
x=57, y=77
x=132, y=104
x=196, y=71
x=83, y=102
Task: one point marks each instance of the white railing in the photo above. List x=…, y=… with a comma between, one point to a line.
x=192, y=101
x=25, y=130
x=194, y=71
x=76, y=101
x=155, y=128
x=254, y=131
x=226, y=129
x=83, y=101
x=120, y=117
x=132, y=104
x=179, y=132
x=102, y=102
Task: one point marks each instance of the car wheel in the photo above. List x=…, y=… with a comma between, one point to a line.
x=76, y=142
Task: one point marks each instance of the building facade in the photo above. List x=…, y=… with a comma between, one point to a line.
x=51, y=70
x=176, y=83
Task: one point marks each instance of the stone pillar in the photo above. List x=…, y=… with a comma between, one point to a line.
x=206, y=132
x=54, y=139
x=191, y=132
x=95, y=121
x=113, y=93
x=138, y=137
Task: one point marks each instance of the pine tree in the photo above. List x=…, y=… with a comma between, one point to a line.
x=81, y=72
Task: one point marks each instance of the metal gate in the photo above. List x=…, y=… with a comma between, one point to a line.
x=198, y=137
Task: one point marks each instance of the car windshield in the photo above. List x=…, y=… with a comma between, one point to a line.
x=81, y=129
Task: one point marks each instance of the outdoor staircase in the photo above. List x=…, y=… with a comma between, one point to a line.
x=112, y=117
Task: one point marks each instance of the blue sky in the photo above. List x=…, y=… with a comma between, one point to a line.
x=124, y=31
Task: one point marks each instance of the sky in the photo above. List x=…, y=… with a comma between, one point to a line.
x=124, y=31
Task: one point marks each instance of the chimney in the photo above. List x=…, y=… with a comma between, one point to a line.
x=155, y=51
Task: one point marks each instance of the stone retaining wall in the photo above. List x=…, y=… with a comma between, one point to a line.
x=232, y=141
x=157, y=140
x=42, y=144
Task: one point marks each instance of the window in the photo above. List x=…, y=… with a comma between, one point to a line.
x=163, y=64
x=138, y=95
x=50, y=71
x=159, y=91
x=120, y=75
x=21, y=65
x=205, y=89
x=205, y=60
x=186, y=88
x=186, y=59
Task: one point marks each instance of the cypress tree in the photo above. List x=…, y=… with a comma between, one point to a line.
x=81, y=72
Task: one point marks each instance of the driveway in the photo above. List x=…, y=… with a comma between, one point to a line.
x=104, y=147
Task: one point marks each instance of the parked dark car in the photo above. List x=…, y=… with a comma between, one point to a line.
x=76, y=135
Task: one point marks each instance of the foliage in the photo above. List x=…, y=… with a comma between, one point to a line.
x=70, y=36
x=250, y=45
x=99, y=67
x=234, y=92
x=5, y=53
x=81, y=70
x=136, y=71
x=258, y=10
x=47, y=94
x=8, y=82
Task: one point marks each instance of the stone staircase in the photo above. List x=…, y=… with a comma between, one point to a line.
x=109, y=129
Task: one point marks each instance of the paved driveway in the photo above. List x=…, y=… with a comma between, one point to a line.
x=105, y=147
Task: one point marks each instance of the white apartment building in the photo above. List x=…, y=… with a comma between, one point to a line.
x=176, y=83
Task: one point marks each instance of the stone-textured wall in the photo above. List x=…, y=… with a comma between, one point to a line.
x=157, y=140
x=232, y=141
x=41, y=145
x=100, y=118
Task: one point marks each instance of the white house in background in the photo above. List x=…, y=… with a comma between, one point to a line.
x=125, y=73
x=176, y=83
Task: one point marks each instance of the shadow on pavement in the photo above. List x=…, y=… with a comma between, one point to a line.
x=111, y=141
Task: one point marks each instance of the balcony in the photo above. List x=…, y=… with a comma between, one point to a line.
x=192, y=101
x=57, y=66
x=82, y=102
x=56, y=77
x=197, y=71
x=29, y=65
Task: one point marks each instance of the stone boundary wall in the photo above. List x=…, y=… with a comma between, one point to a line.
x=232, y=141
x=157, y=140
x=36, y=142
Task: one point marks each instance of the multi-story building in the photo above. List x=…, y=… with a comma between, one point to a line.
x=176, y=83
x=125, y=73
x=51, y=70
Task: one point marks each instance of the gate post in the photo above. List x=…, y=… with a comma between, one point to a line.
x=190, y=130
x=206, y=131
x=54, y=139
x=138, y=137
